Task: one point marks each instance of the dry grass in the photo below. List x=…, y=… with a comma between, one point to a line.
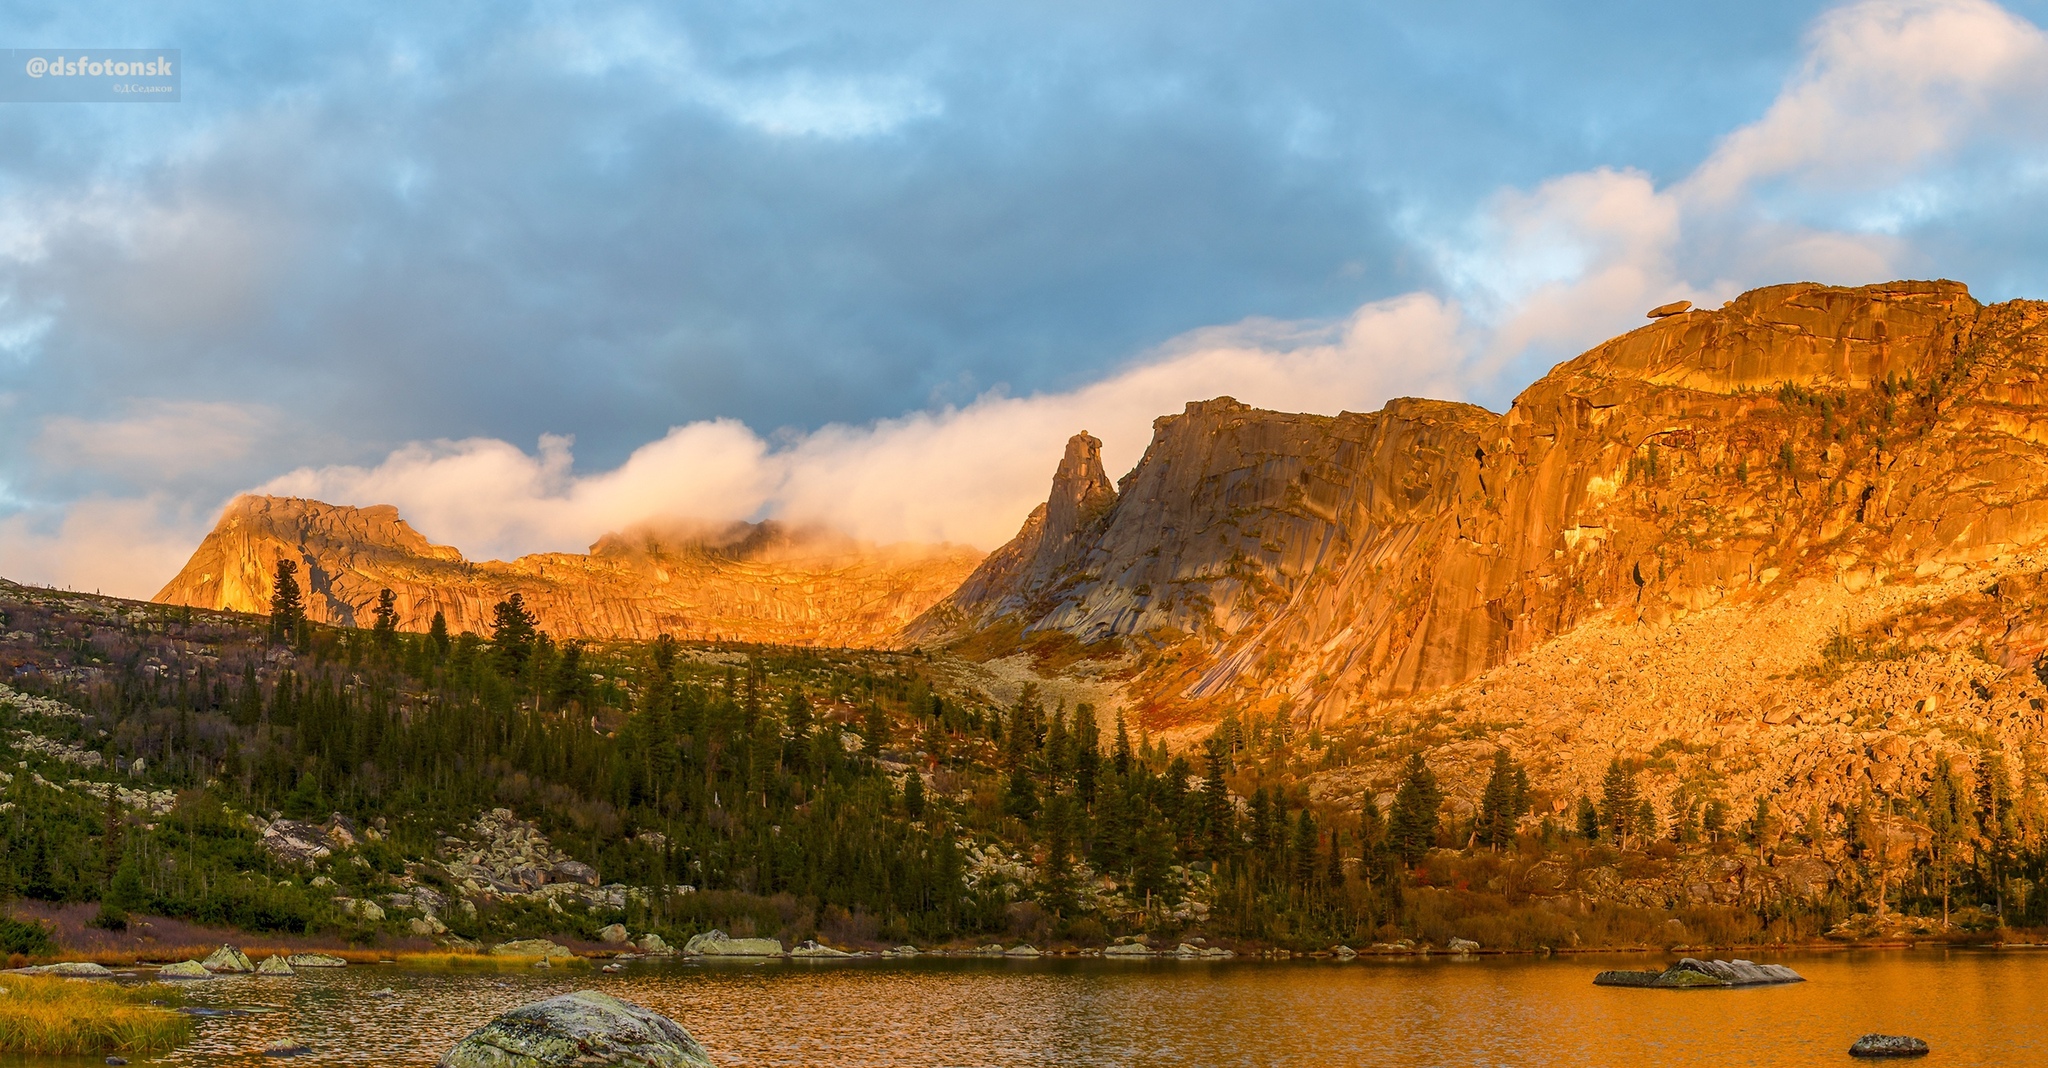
x=55, y=1017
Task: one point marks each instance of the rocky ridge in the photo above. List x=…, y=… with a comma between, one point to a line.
x=740, y=582
x=1790, y=546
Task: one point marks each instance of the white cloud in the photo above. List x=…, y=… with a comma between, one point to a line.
x=126, y=547
x=965, y=475
x=1870, y=138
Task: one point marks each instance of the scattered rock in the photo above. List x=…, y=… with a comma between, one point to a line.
x=613, y=968
x=367, y=911
x=1888, y=1046
x=1343, y=952
x=1024, y=950
x=531, y=947
x=117, y=1060
x=1462, y=945
x=652, y=945
x=227, y=960
x=274, y=965
x=315, y=960
x=573, y=871
x=613, y=934
x=901, y=951
x=188, y=969
x=387, y=992
x=1128, y=949
x=286, y=1048
x=426, y=926
x=813, y=948
x=583, y=1028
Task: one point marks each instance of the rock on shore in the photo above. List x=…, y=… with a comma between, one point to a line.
x=1888, y=1046
x=583, y=1028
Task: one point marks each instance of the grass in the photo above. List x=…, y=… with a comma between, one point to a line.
x=58, y=1017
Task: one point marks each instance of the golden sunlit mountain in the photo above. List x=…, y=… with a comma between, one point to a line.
x=1795, y=540
x=738, y=582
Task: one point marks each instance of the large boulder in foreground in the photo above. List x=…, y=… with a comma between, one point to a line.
x=583, y=1028
x=1690, y=973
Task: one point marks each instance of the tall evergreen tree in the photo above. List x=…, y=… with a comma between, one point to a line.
x=1499, y=810
x=1417, y=804
x=287, y=605
x=437, y=635
x=1618, y=802
x=513, y=632
x=385, y=632
x=1120, y=755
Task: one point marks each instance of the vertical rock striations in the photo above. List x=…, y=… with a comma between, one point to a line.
x=1862, y=436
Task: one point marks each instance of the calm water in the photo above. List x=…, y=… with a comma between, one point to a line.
x=1974, y=1007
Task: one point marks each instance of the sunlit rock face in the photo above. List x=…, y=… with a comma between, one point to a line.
x=1802, y=441
x=740, y=582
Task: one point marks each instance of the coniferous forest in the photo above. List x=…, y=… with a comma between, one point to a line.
x=858, y=797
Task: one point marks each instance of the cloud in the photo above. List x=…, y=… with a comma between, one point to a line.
x=125, y=547
x=159, y=440
x=964, y=475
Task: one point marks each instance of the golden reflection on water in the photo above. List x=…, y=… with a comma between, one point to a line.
x=1974, y=1007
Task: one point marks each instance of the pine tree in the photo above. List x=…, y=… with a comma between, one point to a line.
x=1413, y=826
x=1120, y=756
x=513, y=633
x=1498, y=809
x=913, y=796
x=1949, y=819
x=1087, y=754
x=1588, y=819
x=385, y=632
x=437, y=635
x=1306, y=863
x=1618, y=802
x=1219, y=817
x=287, y=607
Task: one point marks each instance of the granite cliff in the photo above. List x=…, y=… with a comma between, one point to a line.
x=1795, y=541
x=739, y=582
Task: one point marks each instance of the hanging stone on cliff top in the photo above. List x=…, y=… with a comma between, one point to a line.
x=585, y=1028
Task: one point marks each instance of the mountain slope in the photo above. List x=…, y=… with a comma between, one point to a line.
x=754, y=583
x=1317, y=565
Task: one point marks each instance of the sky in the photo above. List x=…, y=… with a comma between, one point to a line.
x=533, y=272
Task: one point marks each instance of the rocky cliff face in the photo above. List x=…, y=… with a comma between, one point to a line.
x=1813, y=509
x=744, y=582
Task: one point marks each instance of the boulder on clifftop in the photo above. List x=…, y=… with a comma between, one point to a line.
x=583, y=1028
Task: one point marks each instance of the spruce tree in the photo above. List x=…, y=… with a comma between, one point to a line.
x=1498, y=812
x=385, y=632
x=1417, y=804
x=287, y=607
x=1588, y=818
x=1120, y=756
x=1618, y=802
x=437, y=635
x=513, y=633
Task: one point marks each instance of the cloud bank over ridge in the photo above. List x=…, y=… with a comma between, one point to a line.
x=1909, y=139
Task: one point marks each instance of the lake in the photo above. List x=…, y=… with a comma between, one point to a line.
x=1974, y=1006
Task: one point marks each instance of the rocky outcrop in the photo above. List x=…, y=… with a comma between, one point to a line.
x=1689, y=973
x=741, y=582
x=228, y=960
x=717, y=943
x=1888, y=1046
x=1312, y=565
x=583, y=1028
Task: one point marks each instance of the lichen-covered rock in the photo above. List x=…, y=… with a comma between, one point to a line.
x=185, y=969
x=74, y=970
x=814, y=949
x=583, y=1028
x=717, y=943
x=531, y=947
x=653, y=945
x=275, y=965
x=1888, y=1046
x=613, y=934
x=1462, y=945
x=227, y=960
x=315, y=960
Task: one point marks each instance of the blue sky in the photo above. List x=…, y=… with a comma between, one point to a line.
x=533, y=272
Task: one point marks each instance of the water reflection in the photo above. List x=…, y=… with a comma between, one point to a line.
x=1974, y=1007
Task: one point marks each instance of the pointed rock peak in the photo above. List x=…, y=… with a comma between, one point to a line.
x=1080, y=489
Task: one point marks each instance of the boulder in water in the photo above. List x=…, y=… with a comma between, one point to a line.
x=531, y=947
x=227, y=960
x=285, y=1047
x=1888, y=1046
x=184, y=969
x=652, y=945
x=1690, y=972
x=274, y=965
x=813, y=948
x=716, y=943
x=73, y=970
x=315, y=960
x=1462, y=945
x=583, y=1028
